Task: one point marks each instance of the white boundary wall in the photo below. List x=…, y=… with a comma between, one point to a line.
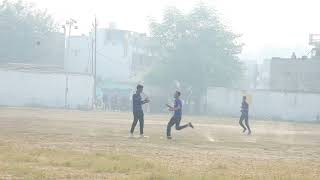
x=45, y=89
x=265, y=104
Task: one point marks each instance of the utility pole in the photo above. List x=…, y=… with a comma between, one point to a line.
x=70, y=23
x=95, y=63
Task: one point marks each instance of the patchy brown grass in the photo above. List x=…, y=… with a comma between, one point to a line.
x=57, y=144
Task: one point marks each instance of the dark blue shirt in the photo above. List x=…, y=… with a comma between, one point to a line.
x=178, y=113
x=136, y=103
x=244, y=107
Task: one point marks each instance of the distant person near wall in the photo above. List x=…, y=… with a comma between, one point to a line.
x=245, y=115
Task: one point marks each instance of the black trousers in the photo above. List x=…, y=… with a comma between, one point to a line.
x=138, y=116
x=244, y=117
x=175, y=121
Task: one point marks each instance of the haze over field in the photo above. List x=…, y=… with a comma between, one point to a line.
x=160, y=89
x=263, y=23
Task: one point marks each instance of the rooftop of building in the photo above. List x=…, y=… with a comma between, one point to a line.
x=301, y=59
x=21, y=67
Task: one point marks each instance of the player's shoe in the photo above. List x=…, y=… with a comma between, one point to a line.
x=244, y=130
x=169, y=137
x=249, y=133
x=131, y=135
x=141, y=136
x=190, y=125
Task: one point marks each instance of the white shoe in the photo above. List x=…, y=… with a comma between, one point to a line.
x=131, y=135
x=141, y=136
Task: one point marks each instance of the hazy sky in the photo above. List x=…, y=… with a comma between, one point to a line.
x=263, y=23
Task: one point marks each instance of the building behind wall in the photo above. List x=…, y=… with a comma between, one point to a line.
x=114, y=54
x=250, y=75
x=121, y=54
x=293, y=74
x=79, y=55
x=45, y=50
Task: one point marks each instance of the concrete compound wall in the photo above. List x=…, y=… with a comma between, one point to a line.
x=20, y=88
x=265, y=104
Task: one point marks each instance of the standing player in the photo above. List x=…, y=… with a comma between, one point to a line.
x=175, y=120
x=137, y=110
x=245, y=115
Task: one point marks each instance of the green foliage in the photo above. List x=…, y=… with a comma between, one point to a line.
x=21, y=27
x=195, y=49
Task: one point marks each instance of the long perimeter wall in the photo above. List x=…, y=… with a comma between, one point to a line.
x=45, y=89
x=271, y=105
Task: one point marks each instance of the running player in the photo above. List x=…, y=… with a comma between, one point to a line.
x=245, y=115
x=137, y=110
x=176, y=118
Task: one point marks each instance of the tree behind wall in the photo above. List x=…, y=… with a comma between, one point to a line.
x=195, y=49
x=25, y=31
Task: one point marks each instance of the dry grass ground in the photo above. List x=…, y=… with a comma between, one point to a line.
x=57, y=144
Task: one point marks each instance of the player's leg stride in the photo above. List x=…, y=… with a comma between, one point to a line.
x=241, y=123
x=247, y=124
x=176, y=119
x=138, y=111
x=245, y=115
